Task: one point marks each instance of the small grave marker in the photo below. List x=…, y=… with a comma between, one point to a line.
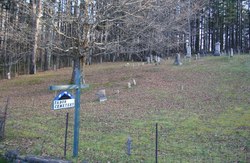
x=129, y=145
x=231, y=52
x=129, y=85
x=177, y=60
x=8, y=76
x=127, y=64
x=151, y=58
x=117, y=91
x=217, y=49
x=102, y=95
x=198, y=56
x=148, y=60
x=134, y=82
x=189, y=53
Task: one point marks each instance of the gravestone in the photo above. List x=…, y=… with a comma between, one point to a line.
x=155, y=58
x=8, y=76
x=148, y=60
x=198, y=56
x=129, y=85
x=151, y=58
x=239, y=50
x=231, y=52
x=158, y=60
x=134, y=82
x=117, y=91
x=217, y=49
x=129, y=145
x=102, y=95
x=188, y=52
x=177, y=60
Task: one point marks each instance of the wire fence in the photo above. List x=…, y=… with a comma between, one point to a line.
x=147, y=144
x=3, y=115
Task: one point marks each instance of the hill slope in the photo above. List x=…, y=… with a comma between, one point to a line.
x=202, y=108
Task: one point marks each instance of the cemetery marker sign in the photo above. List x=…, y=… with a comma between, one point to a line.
x=77, y=87
x=63, y=100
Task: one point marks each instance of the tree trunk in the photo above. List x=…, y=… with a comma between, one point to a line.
x=197, y=39
x=36, y=22
x=77, y=63
x=47, y=59
x=227, y=40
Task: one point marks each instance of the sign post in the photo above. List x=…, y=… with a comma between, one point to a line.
x=77, y=112
x=78, y=86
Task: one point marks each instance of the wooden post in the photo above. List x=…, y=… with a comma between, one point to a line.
x=77, y=111
x=78, y=86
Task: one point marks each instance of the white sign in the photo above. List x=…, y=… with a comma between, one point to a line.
x=63, y=104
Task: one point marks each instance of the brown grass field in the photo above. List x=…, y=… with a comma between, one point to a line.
x=202, y=108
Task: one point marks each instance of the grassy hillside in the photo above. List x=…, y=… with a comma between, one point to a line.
x=202, y=109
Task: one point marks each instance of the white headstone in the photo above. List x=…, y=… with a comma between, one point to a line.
x=148, y=60
x=189, y=51
x=134, y=82
x=155, y=58
x=217, y=49
x=102, y=95
x=129, y=85
x=151, y=58
x=117, y=91
x=177, y=59
x=231, y=52
x=8, y=76
x=158, y=60
x=196, y=57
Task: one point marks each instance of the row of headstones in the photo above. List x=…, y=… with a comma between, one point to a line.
x=154, y=59
x=197, y=56
x=134, y=64
x=101, y=94
x=217, y=51
x=177, y=60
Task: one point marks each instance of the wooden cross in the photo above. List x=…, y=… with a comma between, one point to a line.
x=77, y=86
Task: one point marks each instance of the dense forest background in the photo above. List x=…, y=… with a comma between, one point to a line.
x=40, y=35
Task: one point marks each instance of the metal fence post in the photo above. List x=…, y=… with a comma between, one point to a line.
x=156, y=143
